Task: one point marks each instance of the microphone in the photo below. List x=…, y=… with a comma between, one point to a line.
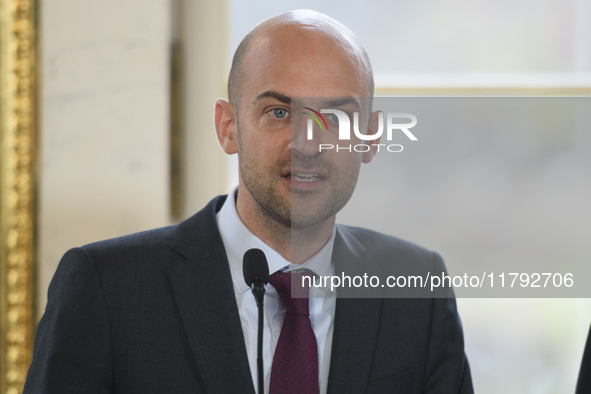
x=256, y=276
x=256, y=273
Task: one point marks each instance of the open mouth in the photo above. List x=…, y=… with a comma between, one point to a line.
x=304, y=177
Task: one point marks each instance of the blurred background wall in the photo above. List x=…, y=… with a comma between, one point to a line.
x=127, y=140
x=119, y=86
x=104, y=123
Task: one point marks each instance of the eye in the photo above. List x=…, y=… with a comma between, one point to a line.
x=279, y=113
x=333, y=118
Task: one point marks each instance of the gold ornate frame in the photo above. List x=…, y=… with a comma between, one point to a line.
x=18, y=160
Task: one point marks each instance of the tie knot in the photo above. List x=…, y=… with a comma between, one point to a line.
x=296, y=302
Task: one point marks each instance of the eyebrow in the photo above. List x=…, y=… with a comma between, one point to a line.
x=330, y=103
x=278, y=96
x=343, y=101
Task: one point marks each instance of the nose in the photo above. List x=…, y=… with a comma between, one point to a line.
x=305, y=138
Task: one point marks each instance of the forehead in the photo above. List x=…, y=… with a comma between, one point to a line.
x=304, y=61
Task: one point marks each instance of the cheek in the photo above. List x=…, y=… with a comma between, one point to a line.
x=263, y=146
x=348, y=164
x=259, y=156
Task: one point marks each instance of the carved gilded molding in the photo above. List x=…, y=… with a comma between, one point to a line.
x=18, y=151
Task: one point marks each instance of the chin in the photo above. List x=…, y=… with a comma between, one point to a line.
x=307, y=218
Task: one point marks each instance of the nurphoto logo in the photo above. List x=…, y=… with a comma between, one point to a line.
x=341, y=117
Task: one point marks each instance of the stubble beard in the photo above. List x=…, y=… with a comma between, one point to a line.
x=302, y=208
x=270, y=205
x=313, y=207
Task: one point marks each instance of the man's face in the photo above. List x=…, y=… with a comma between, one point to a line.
x=288, y=178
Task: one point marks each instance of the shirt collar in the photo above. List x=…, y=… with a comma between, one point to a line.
x=238, y=239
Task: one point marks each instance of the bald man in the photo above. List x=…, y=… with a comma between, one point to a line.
x=168, y=311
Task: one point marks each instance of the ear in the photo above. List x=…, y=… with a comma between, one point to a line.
x=373, y=127
x=225, y=126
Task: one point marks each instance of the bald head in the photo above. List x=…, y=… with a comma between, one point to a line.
x=303, y=27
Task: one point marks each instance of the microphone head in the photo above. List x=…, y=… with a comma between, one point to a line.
x=255, y=267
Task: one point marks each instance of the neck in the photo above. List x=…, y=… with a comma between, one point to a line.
x=307, y=241
x=295, y=244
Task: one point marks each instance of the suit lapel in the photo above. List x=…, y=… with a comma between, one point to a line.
x=210, y=324
x=206, y=306
x=356, y=322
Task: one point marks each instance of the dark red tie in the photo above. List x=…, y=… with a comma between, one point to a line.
x=295, y=363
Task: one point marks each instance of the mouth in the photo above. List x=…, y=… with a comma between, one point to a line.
x=305, y=177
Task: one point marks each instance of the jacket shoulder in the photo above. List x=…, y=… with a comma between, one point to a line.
x=376, y=242
x=150, y=239
x=151, y=245
x=390, y=255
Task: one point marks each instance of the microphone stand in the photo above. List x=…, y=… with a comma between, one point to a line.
x=256, y=275
x=258, y=290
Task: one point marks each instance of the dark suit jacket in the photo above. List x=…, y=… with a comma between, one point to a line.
x=584, y=383
x=155, y=312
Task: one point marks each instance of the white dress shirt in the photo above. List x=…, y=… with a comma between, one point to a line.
x=237, y=240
